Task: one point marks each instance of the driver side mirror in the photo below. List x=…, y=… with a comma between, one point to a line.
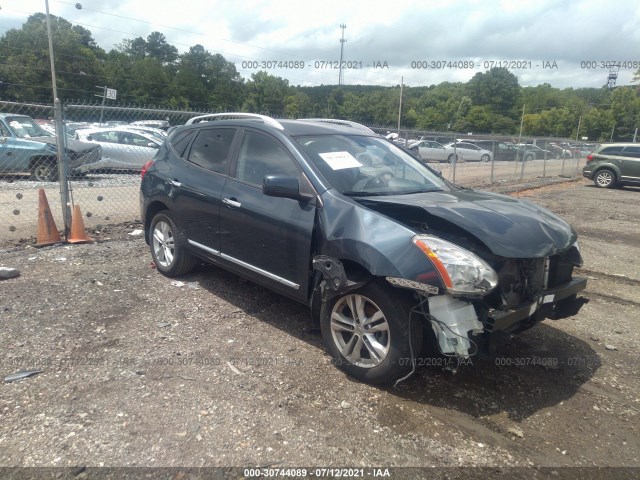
x=284, y=186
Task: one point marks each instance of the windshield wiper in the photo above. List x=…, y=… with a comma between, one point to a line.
x=365, y=194
x=409, y=192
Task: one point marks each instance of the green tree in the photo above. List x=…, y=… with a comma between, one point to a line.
x=497, y=88
x=25, y=68
x=266, y=94
x=206, y=79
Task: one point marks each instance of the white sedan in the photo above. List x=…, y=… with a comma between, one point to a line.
x=430, y=150
x=122, y=148
x=471, y=152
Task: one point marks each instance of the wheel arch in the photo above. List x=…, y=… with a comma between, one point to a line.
x=608, y=166
x=152, y=209
x=35, y=159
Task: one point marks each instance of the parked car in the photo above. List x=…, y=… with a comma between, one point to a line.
x=614, y=164
x=161, y=124
x=26, y=147
x=533, y=152
x=122, y=148
x=560, y=150
x=581, y=150
x=503, y=151
x=371, y=239
x=471, y=152
x=158, y=133
x=433, y=151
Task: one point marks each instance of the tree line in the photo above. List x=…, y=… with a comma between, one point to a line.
x=151, y=71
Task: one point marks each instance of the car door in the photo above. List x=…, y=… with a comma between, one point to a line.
x=469, y=151
x=630, y=164
x=8, y=159
x=108, y=141
x=435, y=151
x=196, y=185
x=136, y=149
x=267, y=237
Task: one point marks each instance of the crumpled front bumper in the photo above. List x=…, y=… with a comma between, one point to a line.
x=523, y=317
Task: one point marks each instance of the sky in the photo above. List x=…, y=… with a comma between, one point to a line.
x=566, y=43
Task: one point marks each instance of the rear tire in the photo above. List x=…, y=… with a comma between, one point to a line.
x=605, y=178
x=451, y=158
x=366, y=332
x=485, y=158
x=168, y=247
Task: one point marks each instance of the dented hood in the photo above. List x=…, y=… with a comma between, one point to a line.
x=509, y=227
x=71, y=143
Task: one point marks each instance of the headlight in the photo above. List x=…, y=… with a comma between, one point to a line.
x=462, y=272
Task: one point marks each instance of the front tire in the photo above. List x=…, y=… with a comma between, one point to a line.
x=605, y=178
x=366, y=332
x=485, y=158
x=168, y=247
x=45, y=170
x=452, y=158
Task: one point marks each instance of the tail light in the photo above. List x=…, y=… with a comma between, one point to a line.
x=589, y=158
x=145, y=167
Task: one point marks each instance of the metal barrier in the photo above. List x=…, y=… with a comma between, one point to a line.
x=105, y=181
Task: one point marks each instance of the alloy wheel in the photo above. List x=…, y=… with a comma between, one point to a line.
x=360, y=331
x=163, y=244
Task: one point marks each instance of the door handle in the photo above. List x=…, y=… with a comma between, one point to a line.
x=231, y=202
x=175, y=183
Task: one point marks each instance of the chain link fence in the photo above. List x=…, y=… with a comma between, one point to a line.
x=107, y=146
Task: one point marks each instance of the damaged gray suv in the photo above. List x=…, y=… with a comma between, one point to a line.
x=379, y=246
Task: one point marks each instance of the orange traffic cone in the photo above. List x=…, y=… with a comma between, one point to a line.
x=47, y=230
x=78, y=235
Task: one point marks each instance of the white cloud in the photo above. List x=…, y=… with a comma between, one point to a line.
x=398, y=32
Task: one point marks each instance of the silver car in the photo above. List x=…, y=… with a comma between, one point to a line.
x=471, y=152
x=122, y=148
x=430, y=150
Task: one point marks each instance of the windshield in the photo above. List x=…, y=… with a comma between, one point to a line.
x=363, y=165
x=25, y=127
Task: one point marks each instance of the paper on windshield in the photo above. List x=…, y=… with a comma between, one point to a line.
x=340, y=160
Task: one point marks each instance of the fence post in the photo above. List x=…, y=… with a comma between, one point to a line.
x=493, y=158
x=62, y=165
x=524, y=159
x=544, y=165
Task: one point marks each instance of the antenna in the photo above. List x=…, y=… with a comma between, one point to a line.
x=613, y=76
x=342, y=42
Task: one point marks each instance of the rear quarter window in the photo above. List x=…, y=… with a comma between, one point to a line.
x=611, y=151
x=180, y=142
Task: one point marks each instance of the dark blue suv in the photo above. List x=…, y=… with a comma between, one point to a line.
x=379, y=246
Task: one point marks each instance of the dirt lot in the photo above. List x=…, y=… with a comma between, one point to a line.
x=141, y=370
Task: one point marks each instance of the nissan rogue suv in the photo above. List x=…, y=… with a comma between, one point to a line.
x=377, y=245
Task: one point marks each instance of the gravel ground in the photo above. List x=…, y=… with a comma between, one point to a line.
x=213, y=370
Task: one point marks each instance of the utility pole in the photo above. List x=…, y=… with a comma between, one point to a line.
x=60, y=135
x=342, y=41
x=400, y=108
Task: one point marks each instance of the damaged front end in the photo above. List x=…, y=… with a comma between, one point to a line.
x=488, y=299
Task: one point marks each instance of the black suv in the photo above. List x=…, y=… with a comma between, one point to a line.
x=377, y=244
x=614, y=164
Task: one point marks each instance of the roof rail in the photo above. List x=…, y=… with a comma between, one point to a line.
x=344, y=123
x=235, y=115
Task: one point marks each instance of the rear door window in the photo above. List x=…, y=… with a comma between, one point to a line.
x=631, y=152
x=212, y=149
